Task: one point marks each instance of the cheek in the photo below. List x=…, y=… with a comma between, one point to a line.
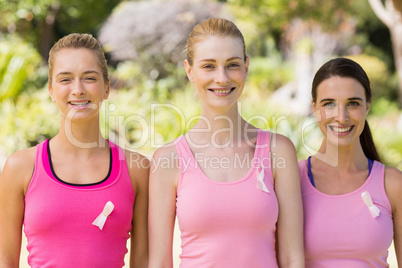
x=325, y=114
x=240, y=76
x=361, y=115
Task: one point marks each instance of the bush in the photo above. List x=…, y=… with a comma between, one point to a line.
x=18, y=63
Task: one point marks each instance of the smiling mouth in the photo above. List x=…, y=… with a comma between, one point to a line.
x=79, y=104
x=222, y=91
x=341, y=129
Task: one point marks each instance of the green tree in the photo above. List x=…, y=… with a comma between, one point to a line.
x=41, y=22
x=390, y=13
x=18, y=61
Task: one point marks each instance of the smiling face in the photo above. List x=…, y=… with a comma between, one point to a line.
x=219, y=70
x=342, y=108
x=77, y=86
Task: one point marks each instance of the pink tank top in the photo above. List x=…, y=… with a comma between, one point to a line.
x=340, y=231
x=58, y=216
x=226, y=224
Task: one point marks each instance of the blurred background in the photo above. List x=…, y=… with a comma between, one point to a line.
x=152, y=102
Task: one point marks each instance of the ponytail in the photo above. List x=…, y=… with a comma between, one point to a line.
x=367, y=143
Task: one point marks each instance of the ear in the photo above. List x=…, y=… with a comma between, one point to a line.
x=367, y=107
x=315, y=110
x=189, y=70
x=247, y=64
x=49, y=87
x=107, y=91
x=313, y=106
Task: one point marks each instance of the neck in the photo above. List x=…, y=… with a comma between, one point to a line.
x=80, y=135
x=223, y=126
x=342, y=157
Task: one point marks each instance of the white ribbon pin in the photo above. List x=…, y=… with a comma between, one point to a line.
x=101, y=219
x=375, y=211
x=260, y=180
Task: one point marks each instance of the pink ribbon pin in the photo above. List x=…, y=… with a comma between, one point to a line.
x=101, y=219
x=375, y=211
x=260, y=180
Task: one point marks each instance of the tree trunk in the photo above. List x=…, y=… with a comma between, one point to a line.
x=396, y=36
x=391, y=15
x=47, y=32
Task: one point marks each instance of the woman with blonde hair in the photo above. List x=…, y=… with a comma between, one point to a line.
x=235, y=206
x=75, y=194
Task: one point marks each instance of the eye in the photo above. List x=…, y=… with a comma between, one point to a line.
x=207, y=66
x=64, y=80
x=90, y=78
x=354, y=103
x=234, y=65
x=329, y=104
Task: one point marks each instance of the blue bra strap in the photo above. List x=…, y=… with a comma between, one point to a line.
x=309, y=173
x=370, y=165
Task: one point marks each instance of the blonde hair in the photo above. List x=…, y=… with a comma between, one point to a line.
x=76, y=40
x=212, y=27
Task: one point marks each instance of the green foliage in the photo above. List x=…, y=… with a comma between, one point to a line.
x=27, y=121
x=266, y=74
x=136, y=119
x=381, y=81
x=262, y=19
x=41, y=22
x=146, y=112
x=372, y=34
x=383, y=108
x=18, y=61
x=277, y=13
x=385, y=120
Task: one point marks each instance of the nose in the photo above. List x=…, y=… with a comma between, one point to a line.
x=343, y=115
x=78, y=88
x=222, y=76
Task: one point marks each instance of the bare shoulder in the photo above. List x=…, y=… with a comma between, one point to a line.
x=138, y=168
x=393, y=178
x=165, y=164
x=19, y=167
x=281, y=144
x=136, y=162
x=166, y=155
x=393, y=186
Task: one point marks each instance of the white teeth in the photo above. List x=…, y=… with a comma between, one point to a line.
x=222, y=91
x=341, y=130
x=79, y=103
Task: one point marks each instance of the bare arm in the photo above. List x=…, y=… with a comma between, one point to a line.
x=393, y=187
x=14, y=181
x=287, y=188
x=162, y=207
x=138, y=166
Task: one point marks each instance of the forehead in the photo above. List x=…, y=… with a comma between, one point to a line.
x=215, y=47
x=338, y=87
x=78, y=59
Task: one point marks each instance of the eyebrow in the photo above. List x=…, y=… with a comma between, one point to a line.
x=349, y=99
x=229, y=59
x=86, y=72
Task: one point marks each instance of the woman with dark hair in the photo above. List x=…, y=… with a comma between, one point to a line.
x=352, y=203
x=77, y=195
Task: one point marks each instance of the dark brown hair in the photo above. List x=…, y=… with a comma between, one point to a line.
x=344, y=67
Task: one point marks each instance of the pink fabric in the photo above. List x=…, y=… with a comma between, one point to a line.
x=226, y=224
x=58, y=217
x=340, y=230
